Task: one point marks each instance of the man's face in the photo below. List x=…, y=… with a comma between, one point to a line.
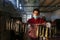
x=35, y=13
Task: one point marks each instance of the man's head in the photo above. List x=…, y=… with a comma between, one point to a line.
x=36, y=12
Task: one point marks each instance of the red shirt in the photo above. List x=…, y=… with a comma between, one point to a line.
x=32, y=31
x=36, y=21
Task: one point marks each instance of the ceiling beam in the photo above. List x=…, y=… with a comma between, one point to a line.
x=51, y=3
x=42, y=3
x=56, y=2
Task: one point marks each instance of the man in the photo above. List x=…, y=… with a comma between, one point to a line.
x=32, y=32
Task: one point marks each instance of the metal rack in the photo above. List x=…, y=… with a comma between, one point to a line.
x=43, y=32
